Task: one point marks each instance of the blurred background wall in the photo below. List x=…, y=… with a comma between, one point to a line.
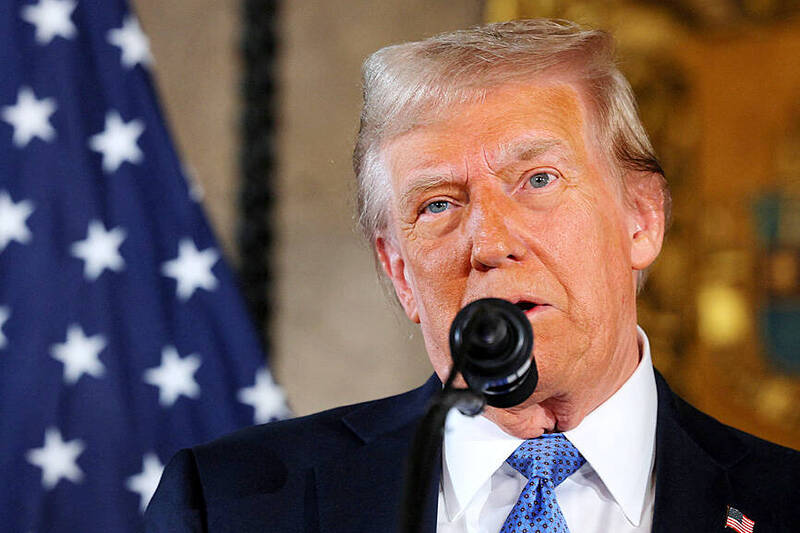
x=719, y=88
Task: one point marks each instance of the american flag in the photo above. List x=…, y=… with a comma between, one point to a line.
x=736, y=520
x=122, y=337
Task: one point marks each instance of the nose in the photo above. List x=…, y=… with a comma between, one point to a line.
x=495, y=238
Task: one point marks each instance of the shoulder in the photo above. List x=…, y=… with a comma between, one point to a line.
x=276, y=457
x=258, y=459
x=756, y=469
x=725, y=443
x=263, y=454
x=741, y=452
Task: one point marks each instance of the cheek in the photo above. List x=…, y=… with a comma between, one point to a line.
x=439, y=274
x=438, y=263
x=587, y=251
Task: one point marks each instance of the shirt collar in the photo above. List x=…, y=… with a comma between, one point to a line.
x=617, y=439
x=474, y=448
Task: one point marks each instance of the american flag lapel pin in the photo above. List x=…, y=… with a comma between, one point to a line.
x=734, y=519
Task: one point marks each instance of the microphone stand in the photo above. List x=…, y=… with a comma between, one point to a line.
x=491, y=344
x=428, y=442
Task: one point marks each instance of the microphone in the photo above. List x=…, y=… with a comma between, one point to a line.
x=491, y=341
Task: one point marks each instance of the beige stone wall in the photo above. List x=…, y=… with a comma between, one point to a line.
x=338, y=339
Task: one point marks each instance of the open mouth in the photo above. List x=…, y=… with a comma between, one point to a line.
x=529, y=307
x=525, y=306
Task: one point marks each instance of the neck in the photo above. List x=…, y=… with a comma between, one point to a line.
x=562, y=412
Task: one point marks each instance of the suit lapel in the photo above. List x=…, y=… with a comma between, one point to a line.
x=692, y=460
x=692, y=486
x=362, y=490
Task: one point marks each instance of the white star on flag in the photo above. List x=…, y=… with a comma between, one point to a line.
x=12, y=220
x=100, y=250
x=57, y=458
x=117, y=142
x=175, y=376
x=79, y=354
x=30, y=117
x=5, y=313
x=145, y=482
x=191, y=269
x=267, y=398
x=51, y=18
x=132, y=41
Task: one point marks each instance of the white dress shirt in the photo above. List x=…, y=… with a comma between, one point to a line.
x=612, y=492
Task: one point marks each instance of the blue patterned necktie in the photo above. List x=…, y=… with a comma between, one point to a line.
x=546, y=462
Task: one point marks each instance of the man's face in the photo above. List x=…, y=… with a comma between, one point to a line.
x=509, y=198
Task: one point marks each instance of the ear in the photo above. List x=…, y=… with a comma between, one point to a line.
x=395, y=268
x=646, y=219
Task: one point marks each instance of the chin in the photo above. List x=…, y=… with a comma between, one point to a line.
x=526, y=421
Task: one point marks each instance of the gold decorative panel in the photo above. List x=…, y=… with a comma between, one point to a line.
x=718, y=83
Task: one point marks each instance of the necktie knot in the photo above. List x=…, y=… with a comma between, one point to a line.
x=551, y=457
x=546, y=462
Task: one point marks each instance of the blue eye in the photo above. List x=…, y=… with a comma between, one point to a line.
x=437, y=207
x=542, y=179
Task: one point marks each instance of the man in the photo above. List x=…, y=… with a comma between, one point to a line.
x=503, y=161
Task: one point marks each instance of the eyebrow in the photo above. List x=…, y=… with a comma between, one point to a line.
x=421, y=185
x=525, y=150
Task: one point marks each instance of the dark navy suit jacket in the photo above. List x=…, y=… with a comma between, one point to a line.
x=342, y=471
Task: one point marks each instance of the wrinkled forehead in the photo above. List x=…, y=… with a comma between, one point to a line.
x=508, y=122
